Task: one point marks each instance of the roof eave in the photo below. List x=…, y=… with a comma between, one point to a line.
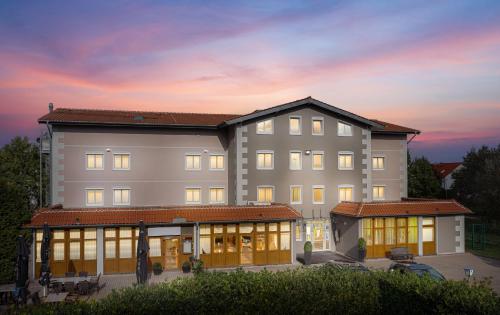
x=136, y=125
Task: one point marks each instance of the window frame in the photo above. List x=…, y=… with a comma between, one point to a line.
x=210, y=195
x=87, y=204
x=257, y=159
x=87, y=160
x=323, y=195
x=319, y=118
x=384, y=187
x=265, y=186
x=345, y=186
x=186, y=164
x=344, y=123
x=122, y=203
x=323, y=160
x=290, y=160
x=129, y=161
x=193, y=202
x=265, y=132
x=299, y=117
x=378, y=156
x=210, y=162
x=291, y=195
x=352, y=160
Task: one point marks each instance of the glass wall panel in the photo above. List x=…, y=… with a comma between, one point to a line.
x=390, y=231
x=74, y=250
x=59, y=251
x=89, y=250
x=110, y=249
x=231, y=243
x=125, y=248
x=218, y=244
x=401, y=237
x=246, y=228
x=367, y=231
x=246, y=249
x=412, y=230
x=285, y=241
x=260, y=242
x=231, y=228
x=272, y=241
x=155, y=247
x=205, y=244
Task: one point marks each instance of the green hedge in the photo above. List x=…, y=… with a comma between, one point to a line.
x=316, y=290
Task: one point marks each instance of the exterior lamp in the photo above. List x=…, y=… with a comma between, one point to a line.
x=308, y=152
x=469, y=271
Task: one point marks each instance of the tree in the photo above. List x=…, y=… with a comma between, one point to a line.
x=477, y=184
x=19, y=195
x=422, y=182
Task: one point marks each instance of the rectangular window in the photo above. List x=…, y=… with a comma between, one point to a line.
x=59, y=251
x=110, y=249
x=121, y=196
x=217, y=195
x=298, y=231
x=318, y=126
x=265, y=160
x=296, y=194
x=272, y=241
x=193, y=195
x=378, y=162
x=296, y=160
x=345, y=193
x=94, y=197
x=412, y=230
x=343, y=129
x=193, y=162
x=265, y=127
x=390, y=231
x=318, y=160
x=346, y=160
x=74, y=250
x=89, y=234
x=378, y=192
x=121, y=161
x=187, y=244
x=89, y=250
x=318, y=195
x=285, y=236
x=126, y=248
x=216, y=162
x=265, y=194
x=58, y=235
x=95, y=161
x=367, y=231
x=295, y=125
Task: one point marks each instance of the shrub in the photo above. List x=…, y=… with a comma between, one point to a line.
x=361, y=244
x=198, y=266
x=308, y=247
x=324, y=289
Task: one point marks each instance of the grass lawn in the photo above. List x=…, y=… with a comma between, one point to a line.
x=491, y=246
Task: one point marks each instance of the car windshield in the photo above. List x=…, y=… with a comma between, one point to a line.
x=434, y=274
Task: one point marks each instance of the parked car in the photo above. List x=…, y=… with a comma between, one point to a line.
x=418, y=269
x=348, y=266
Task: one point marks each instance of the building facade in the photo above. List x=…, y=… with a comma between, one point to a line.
x=292, y=163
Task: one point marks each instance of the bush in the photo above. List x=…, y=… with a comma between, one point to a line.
x=308, y=247
x=324, y=289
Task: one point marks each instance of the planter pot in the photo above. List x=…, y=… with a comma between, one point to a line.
x=186, y=269
x=307, y=258
x=157, y=271
x=362, y=254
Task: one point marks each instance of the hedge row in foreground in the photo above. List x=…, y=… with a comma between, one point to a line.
x=316, y=290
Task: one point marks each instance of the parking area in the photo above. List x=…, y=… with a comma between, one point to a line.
x=452, y=266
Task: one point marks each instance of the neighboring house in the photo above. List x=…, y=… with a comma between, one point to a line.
x=231, y=189
x=445, y=171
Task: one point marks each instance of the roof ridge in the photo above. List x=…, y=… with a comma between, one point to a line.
x=140, y=111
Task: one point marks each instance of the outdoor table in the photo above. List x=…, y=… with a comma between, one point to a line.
x=56, y=297
x=75, y=280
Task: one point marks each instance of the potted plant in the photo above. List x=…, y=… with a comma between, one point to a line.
x=361, y=249
x=198, y=266
x=307, y=253
x=157, y=268
x=186, y=267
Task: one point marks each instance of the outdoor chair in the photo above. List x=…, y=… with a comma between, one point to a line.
x=69, y=274
x=56, y=287
x=35, y=298
x=83, y=274
x=69, y=286
x=400, y=253
x=94, y=282
x=83, y=287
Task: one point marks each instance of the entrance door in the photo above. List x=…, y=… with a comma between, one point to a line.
x=172, y=253
x=318, y=236
x=428, y=236
x=246, y=249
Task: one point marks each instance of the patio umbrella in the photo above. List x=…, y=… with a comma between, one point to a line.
x=44, y=254
x=142, y=255
x=22, y=256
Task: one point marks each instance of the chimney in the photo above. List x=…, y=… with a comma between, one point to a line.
x=51, y=107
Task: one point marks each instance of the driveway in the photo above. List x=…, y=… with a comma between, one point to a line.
x=452, y=266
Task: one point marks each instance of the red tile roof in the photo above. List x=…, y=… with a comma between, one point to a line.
x=443, y=169
x=120, y=117
x=161, y=215
x=400, y=208
x=392, y=128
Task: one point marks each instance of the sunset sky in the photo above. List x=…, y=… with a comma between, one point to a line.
x=429, y=65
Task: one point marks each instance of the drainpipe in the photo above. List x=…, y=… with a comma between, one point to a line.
x=196, y=240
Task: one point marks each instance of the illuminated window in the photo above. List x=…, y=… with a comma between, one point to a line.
x=155, y=247
x=298, y=232
x=217, y=195
x=390, y=231
x=89, y=244
x=193, y=162
x=59, y=251
x=295, y=125
x=346, y=160
x=205, y=239
x=318, y=194
x=110, y=249
x=265, y=194
x=265, y=160
x=318, y=160
x=272, y=241
x=74, y=250
x=412, y=230
x=125, y=249
x=378, y=192
x=94, y=197
x=295, y=194
x=121, y=196
x=121, y=161
x=367, y=231
x=193, y=195
x=216, y=162
x=345, y=193
x=265, y=127
x=295, y=160
x=318, y=126
x=378, y=162
x=344, y=129
x=95, y=161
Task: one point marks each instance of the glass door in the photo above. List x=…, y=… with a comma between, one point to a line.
x=246, y=244
x=318, y=236
x=171, y=253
